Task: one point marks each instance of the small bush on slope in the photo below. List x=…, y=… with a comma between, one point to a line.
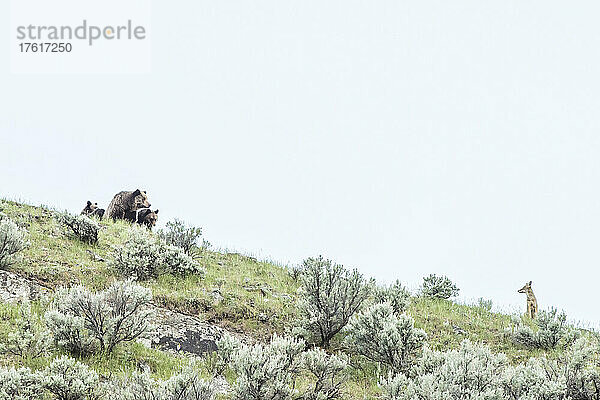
x=177, y=233
x=19, y=384
x=83, y=322
x=473, y=372
x=12, y=241
x=68, y=379
x=145, y=256
x=470, y=373
x=396, y=295
x=30, y=338
x=328, y=372
x=329, y=296
x=269, y=371
x=264, y=371
x=184, y=386
x=82, y=226
x=379, y=335
x=552, y=331
x=439, y=287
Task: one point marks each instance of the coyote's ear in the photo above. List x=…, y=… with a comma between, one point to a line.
x=529, y=283
x=137, y=192
x=156, y=212
x=89, y=203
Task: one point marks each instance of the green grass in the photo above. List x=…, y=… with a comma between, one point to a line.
x=238, y=292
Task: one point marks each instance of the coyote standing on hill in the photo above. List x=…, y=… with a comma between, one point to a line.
x=532, y=306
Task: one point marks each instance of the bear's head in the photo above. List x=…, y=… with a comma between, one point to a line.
x=150, y=219
x=140, y=199
x=89, y=207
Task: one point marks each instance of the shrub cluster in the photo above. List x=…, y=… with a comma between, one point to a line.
x=145, y=256
x=83, y=322
x=13, y=239
x=329, y=297
x=85, y=228
x=552, y=331
x=184, y=386
x=380, y=335
x=396, y=295
x=30, y=338
x=63, y=379
x=438, y=287
x=177, y=233
x=268, y=371
x=473, y=372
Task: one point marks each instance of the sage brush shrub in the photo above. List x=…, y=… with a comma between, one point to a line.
x=381, y=336
x=552, y=331
x=85, y=228
x=84, y=322
x=472, y=372
x=145, y=256
x=396, y=295
x=19, y=384
x=329, y=296
x=328, y=374
x=438, y=287
x=177, y=233
x=264, y=371
x=30, y=338
x=13, y=239
x=184, y=386
x=68, y=379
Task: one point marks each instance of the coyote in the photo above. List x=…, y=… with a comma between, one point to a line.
x=532, y=306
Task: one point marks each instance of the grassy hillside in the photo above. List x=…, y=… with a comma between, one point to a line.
x=238, y=293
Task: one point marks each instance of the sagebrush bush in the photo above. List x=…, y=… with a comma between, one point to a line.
x=19, y=384
x=13, y=239
x=328, y=373
x=329, y=297
x=177, y=233
x=438, y=287
x=382, y=336
x=84, y=228
x=68, y=379
x=84, y=322
x=263, y=371
x=30, y=338
x=396, y=295
x=144, y=256
x=552, y=331
x=472, y=372
x=186, y=385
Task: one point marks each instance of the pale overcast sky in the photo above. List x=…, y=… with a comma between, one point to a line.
x=403, y=138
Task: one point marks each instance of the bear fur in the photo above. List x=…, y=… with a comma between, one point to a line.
x=125, y=202
x=98, y=212
x=143, y=216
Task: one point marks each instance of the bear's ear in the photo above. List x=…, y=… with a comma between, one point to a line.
x=156, y=212
x=89, y=203
x=95, y=204
x=144, y=192
x=137, y=192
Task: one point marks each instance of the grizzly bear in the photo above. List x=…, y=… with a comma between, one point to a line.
x=89, y=208
x=124, y=202
x=143, y=216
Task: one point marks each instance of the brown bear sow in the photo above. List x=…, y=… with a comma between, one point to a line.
x=125, y=201
x=143, y=216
